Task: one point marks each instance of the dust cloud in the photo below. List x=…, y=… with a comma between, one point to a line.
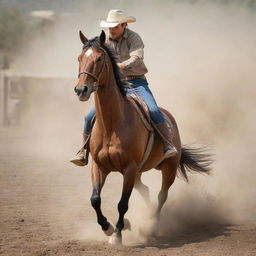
x=201, y=59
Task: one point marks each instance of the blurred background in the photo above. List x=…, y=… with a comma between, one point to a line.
x=201, y=58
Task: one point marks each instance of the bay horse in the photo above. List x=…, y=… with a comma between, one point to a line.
x=119, y=137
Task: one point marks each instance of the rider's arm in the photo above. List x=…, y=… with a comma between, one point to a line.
x=136, y=52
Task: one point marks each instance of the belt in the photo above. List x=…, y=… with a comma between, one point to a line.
x=134, y=77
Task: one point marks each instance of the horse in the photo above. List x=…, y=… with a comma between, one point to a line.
x=119, y=137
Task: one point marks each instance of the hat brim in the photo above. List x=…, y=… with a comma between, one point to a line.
x=105, y=24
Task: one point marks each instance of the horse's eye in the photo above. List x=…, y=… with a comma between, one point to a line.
x=98, y=60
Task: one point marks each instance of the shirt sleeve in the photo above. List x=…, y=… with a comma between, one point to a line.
x=136, y=51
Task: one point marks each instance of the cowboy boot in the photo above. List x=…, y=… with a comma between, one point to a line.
x=81, y=158
x=165, y=133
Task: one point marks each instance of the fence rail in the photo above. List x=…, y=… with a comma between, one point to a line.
x=11, y=91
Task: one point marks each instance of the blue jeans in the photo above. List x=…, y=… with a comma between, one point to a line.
x=140, y=87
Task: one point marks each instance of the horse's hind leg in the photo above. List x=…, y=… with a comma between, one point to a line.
x=169, y=171
x=98, y=180
x=142, y=189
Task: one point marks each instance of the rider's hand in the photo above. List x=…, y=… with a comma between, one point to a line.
x=121, y=66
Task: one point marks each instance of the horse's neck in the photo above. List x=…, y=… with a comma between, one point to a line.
x=109, y=105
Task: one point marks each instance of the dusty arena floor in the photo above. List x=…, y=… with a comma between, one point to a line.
x=201, y=59
x=45, y=210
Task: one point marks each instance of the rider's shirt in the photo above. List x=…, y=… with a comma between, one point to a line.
x=129, y=51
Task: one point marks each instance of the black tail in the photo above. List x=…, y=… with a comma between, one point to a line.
x=194, y=159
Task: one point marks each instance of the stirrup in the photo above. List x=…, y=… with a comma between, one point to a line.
x=169, y=151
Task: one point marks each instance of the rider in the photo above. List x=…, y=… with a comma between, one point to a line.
x=127, y=47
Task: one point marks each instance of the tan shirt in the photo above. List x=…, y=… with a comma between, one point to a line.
x=129, y=51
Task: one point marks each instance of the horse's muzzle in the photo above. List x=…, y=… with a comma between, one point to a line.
x=80, y=91
x=84, y=92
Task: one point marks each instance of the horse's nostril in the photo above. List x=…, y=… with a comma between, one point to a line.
x=85, y=89
x=80, y=91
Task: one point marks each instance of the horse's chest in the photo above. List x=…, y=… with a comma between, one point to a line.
x=110, y=157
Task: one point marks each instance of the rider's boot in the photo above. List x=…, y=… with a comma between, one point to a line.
x=165, y=133
x=80, y=159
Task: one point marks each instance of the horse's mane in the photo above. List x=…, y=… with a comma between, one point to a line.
x=94, y=42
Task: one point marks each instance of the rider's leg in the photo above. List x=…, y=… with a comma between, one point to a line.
x=80, y=159
x=88, y=119
x=141, y=88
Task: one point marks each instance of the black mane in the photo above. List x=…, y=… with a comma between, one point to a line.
x=94, y=42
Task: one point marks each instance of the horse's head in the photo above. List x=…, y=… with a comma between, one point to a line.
x=92, y=62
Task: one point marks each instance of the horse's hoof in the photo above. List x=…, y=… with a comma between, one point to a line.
x=127, y=224
x=115, y=239
x=109, y=231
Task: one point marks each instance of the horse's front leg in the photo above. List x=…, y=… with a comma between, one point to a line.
x=98, y=180
x=129, y=176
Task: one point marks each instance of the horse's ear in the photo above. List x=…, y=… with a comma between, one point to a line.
x=102, y=37
x=84, y=40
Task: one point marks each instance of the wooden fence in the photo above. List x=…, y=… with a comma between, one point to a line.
x=15, y=88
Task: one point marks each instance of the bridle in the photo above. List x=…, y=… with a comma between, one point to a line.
x=96, y=86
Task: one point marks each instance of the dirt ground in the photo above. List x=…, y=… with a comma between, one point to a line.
x=45, y=210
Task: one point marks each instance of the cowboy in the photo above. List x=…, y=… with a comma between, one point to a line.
x=127, y=47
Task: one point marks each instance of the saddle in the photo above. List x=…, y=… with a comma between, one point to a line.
x=144, y=114
x=143, y=111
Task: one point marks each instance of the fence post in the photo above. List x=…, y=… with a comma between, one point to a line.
x=2, y=97
x=4, y=91
x=6, y=95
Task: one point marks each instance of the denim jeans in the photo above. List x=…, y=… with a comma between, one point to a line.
x=139, y=87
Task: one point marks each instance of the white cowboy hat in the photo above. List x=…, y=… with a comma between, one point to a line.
x=116, y=17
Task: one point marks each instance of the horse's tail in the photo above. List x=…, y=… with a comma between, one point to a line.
x=194, y=159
